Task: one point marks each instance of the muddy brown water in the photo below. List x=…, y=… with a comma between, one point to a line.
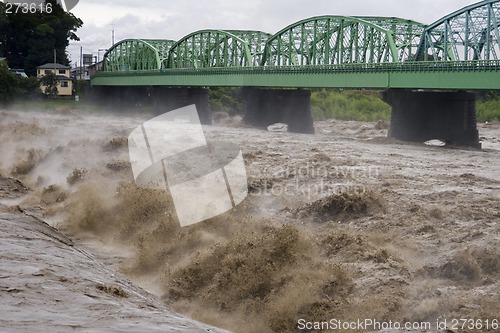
x=345, y=225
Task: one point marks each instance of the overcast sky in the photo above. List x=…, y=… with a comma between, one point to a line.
x=173, y=19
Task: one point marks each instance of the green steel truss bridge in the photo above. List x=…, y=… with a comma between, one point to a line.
x=460, y=51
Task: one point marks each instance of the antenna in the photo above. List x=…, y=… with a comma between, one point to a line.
x=113, y=33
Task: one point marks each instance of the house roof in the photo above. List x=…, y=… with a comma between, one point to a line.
x=53, y=66
x=18, y=72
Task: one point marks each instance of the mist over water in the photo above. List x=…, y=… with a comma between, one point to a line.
x=415, y=240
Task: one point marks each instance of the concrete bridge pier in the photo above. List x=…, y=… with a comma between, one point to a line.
x=425, y=115
x=168, y=99
x=265, y=107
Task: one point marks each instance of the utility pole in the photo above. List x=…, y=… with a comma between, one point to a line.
x=55, y=62
x=81, y=62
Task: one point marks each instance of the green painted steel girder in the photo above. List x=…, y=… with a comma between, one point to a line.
x=163, y=47
x=137, y=54
x=471, y=33
x=217, y=48
x=469, y=75
x=407, y=34
x=331, y=40
x=256, y=41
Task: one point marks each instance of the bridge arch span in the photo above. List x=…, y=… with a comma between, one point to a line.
x=218, y=48
x=137, y=54
x=406, y=33
x=471, y=33
x=338, y=40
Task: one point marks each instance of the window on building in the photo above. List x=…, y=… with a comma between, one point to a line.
x=64, y=84
x=62, y=71
x=47, y=71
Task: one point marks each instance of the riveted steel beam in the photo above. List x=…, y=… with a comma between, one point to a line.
x=218, y=48
x=136, y=54
x=470, y=75
x=471, y=33
x=331, y=40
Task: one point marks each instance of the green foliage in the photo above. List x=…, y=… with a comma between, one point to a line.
x=488, y=109
x=8, y=84
x=367, y=106
x=487, y=95
x=226, y=99
x=82, y=88
x=28, y=87
x=28, y=40
x=54, y=104
x=50, y=82
x=349, y=105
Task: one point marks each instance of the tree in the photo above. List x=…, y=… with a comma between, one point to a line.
x=28, y=40
x=49, y=82
x=8, y=84
x=28, y=87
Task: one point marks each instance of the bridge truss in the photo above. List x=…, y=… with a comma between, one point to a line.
x=137, y=55
x=217, y=48
x=462, y=49
x=472, y=33
x=338, y=40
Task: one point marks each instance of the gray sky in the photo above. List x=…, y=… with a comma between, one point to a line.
x=173, y=19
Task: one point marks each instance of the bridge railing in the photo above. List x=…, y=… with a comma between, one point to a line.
x=418, y=66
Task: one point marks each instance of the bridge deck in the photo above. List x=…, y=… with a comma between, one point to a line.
x=468, y=75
